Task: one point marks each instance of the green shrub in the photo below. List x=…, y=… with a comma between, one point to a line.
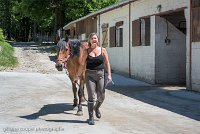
x=1, y=35
x=7, y=58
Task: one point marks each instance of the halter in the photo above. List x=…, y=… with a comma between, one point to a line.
x=65, y=60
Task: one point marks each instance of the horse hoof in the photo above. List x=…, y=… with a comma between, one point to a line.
x=75, y=105
x=79, y=113
x=74, y=108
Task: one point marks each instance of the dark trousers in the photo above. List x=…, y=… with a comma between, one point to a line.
x=95, y=84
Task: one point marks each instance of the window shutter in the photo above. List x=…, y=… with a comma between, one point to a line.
x=105, y=38
x=121, y=37
x=112, y=37
x=147, y=31
x=196, y=24
x=72, y=32
x=136, y=33
x=195, y=3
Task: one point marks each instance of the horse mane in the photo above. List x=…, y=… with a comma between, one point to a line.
x=75, y=46
x=62, y=44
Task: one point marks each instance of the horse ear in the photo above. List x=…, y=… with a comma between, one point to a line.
x=66, y=38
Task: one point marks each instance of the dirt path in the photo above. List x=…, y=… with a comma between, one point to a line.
x=34, y=58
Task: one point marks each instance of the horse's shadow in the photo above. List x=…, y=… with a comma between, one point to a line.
x=53, y=109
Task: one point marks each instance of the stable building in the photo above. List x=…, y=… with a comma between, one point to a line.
x=155, y=41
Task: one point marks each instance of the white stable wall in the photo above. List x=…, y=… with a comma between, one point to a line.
x=142, y=63
x=143, y=57
x=170, y=58
x=196, y=66
x=118, y=56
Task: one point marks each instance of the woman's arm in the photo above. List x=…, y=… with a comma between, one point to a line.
x=107, y=64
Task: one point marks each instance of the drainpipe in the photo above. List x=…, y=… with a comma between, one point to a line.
x=99, y=28
x=129, y=40
x=190, y=49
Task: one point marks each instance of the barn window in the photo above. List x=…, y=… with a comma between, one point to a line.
x=119, y=37
x=116, y=35
x=141, y=32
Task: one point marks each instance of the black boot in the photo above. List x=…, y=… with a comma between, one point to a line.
x=90, y=111
x=96, y=108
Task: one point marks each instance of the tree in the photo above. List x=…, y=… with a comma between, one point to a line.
x=39, y=13
x=25, y=17
x=5, y=8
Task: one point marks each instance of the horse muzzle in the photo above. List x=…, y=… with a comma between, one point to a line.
x=59, y=67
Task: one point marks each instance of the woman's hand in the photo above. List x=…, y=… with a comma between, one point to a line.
x=109, y=79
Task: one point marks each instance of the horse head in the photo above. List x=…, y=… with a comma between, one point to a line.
x=63, y=53
x=66, y=50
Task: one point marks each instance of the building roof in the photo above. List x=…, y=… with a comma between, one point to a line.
x=103, y=10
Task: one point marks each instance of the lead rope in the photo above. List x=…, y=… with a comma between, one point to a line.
x=76, y=82
x=82, y=92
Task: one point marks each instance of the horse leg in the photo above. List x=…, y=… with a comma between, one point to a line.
x=80, y=95
x=75, y=94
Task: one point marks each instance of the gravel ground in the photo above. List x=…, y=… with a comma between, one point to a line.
x=37, y=99
x=33, y=58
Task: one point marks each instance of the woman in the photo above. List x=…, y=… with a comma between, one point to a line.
x=97, y=60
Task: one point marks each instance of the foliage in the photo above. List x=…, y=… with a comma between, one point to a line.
x=7, y=58
x=36, y=10
x=19, y=16
x=79, y=8
x=1, y=35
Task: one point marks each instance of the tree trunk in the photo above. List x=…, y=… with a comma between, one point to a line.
x=8, y=19
x=55, y=25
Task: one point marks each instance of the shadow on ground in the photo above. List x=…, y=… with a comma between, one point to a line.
x=180, y=101
x=53, y=109
x=50, y=109
x=40, y=47
x=67, y=121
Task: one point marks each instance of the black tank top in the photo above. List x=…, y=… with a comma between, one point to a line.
x=95, y=63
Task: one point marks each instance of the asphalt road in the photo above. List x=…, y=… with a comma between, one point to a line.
x=36, y=103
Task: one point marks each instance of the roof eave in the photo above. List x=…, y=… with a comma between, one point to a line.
x=106, y=9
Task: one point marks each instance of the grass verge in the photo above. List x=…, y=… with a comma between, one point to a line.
x=7, y=58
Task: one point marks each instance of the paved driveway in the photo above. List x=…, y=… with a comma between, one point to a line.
x=42, y=104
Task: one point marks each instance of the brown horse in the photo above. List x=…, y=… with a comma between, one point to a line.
x=72, y=56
